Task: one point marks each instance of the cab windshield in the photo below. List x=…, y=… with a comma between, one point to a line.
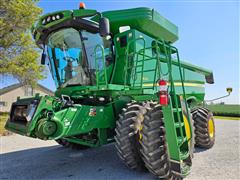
x=72, y=57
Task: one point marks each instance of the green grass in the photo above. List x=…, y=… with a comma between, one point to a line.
x=227, y=118
x=3, y=119
x=225, y=110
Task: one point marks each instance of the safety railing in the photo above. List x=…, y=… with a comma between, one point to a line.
x=176, y=99
x=135, y=66
x=100, y=65
x=163, y=54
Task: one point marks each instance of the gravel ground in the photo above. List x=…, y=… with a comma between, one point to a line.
x=26, y=158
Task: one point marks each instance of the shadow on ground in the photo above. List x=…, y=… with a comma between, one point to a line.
x=199, y=150
x=63, y=163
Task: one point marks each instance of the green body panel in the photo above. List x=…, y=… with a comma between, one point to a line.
x=193, y=76
x=69, y=121
x=77, y=120
x=143, y=55
x=141, y=19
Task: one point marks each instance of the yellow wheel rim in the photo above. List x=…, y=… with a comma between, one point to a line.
x=140, y=132
x=187, y=127
x=211, y=128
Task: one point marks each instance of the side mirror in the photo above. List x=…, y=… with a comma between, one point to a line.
x=229, y=90
x=104, y=27
x=43, y=58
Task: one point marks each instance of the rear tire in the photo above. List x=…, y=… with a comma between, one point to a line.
x=68, y=144
x=154, y=148
x=204, y=127
x=127, y=143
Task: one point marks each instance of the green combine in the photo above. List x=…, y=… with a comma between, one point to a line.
x=119, y=79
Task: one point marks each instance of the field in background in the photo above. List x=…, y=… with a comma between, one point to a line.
x=226, y=118
x=225, y=110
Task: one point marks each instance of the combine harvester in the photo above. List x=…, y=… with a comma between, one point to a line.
x=119, y=78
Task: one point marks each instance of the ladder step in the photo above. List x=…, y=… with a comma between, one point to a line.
x=185, y=169
x=179, y=124
x=181, y=140
x=177, y=109
x=184, y=155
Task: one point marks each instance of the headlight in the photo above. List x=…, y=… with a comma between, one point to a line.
x=57, y=16
x=49, y=19
x=52, y=18
x=23, y=113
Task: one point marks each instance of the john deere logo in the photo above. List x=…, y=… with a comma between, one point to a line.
x=92, y=112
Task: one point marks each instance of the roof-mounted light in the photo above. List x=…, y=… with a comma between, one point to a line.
x=52, y=18
x=48, y=18
x=82, y=5
x=57, y=16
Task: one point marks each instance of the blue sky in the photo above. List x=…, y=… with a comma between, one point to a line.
x=208, y=35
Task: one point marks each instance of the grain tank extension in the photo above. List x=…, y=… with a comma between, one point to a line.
x=119, y=79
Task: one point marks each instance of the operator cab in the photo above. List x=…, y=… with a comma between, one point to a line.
x=71, y=43
x=72, y=55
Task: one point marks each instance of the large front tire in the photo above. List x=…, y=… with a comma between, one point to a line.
x=127, y=143
x=204, y=127
x=154, y=148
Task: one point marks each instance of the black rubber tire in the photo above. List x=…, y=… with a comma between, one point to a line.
x=192, y=142
x=127, y=143
x=67, y=144
x=154, y=148
x=201, y=116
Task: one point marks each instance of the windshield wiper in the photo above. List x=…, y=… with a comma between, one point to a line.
x=70, y=85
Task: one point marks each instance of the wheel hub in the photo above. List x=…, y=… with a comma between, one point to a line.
x=211, y=128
